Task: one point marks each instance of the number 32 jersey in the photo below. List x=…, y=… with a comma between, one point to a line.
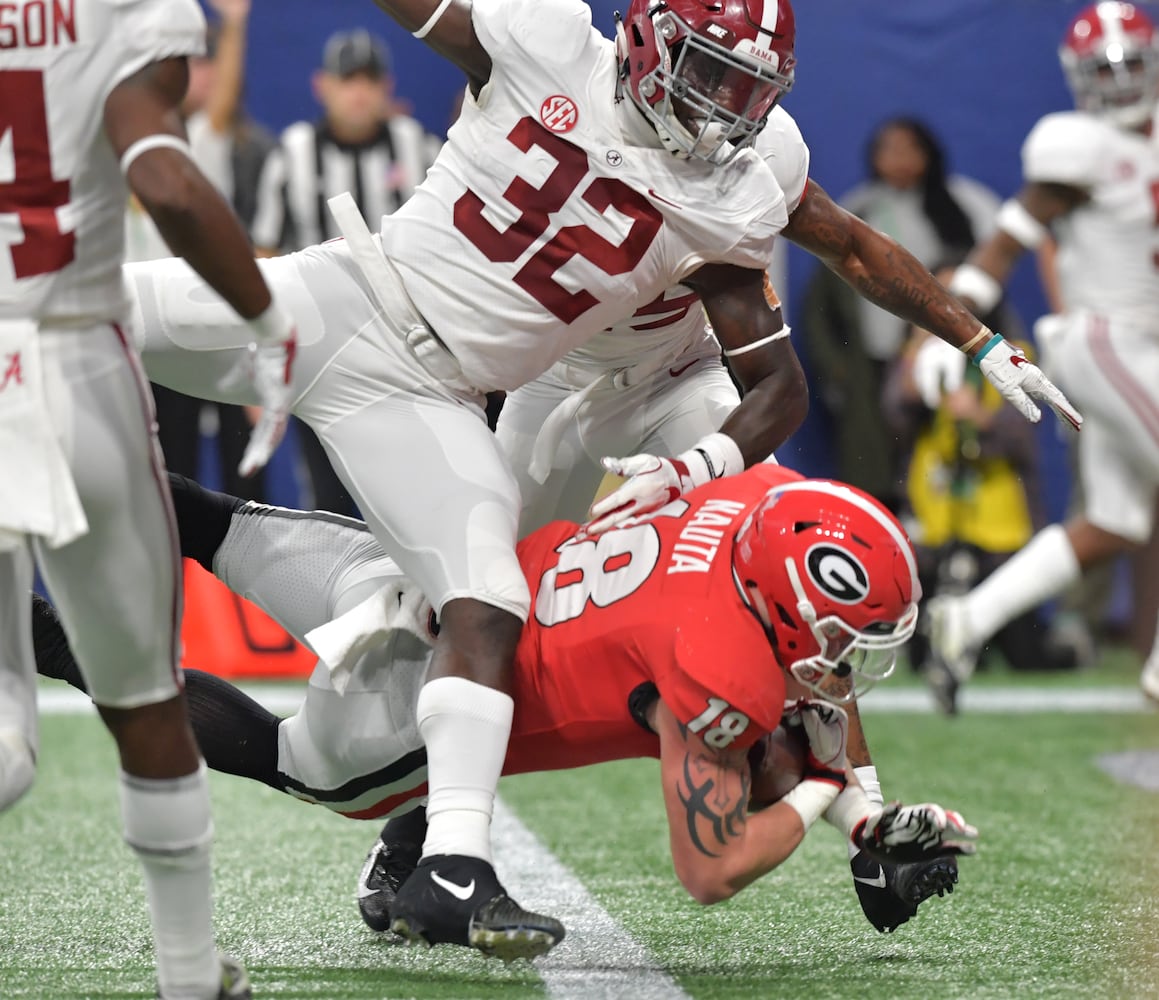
x=650, y=603
x=543, y=222
x=62, y=197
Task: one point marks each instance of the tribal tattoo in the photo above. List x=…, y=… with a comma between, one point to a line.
x=715, y=799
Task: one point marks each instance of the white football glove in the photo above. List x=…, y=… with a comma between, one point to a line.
x=1021, y=383
x=898, y=834
x=938, y=368
x=268, y=364
x=650, y=483
x=827, y=727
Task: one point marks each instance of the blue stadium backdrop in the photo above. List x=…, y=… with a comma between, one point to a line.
x=980, y=71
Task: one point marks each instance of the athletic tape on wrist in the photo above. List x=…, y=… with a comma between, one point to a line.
x=1014, y=220
x=810, y=799
x=439, y=11
x=719, y=453
x=161, y=140
x=272, y=326
x=849, y=809
x=971, y=282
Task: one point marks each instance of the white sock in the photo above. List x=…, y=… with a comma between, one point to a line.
x=867, y=775
x=17, y=766
x=167, y=823
x=1044, y=568
x=465, y=727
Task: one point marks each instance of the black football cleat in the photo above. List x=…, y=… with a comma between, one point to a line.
x=387, y=866
x=454, y=899
x=891, y=894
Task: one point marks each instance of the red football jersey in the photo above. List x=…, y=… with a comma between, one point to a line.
x=654, y=601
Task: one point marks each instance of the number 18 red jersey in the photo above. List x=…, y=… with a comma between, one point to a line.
x=653, y=602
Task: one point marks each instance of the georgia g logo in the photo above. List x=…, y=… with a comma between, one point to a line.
x=837, y=573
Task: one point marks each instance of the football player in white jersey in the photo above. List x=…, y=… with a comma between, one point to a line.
x=563, y=210
x=89, y=97
x=1090, y=177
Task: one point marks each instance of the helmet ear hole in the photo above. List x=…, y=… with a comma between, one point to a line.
x=786, y=618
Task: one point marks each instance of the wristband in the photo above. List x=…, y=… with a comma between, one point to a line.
x=810, y=799
x=712, y=457
x=1015, y=221
x=990, y=345
x=272, y=326
x=971, y=282
x=984, y=333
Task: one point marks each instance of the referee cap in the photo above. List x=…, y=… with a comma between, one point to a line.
x=358, y=51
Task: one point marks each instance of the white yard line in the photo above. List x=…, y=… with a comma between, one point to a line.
x=284, y=699
x=598, y=959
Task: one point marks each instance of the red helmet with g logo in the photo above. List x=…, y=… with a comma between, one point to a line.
x=1110, y=55
x=706, y=74
x=831, y=575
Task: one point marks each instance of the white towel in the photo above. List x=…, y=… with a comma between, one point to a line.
x=37, y=494
x=340, y=643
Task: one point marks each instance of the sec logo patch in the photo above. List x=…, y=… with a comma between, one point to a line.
x=559, y=113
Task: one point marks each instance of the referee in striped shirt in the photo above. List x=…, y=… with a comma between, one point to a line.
x=361, y=144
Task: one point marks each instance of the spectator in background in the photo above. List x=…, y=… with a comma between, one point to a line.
x=972, y=493
x=851, y=341
x=364, y=144
x=243, y=161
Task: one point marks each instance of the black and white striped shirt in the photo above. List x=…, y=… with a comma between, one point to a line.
x=381, y=173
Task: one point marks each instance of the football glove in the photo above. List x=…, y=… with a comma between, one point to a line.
x=938, y=368
x=1020, y=383
x=827, y=727
x=649, y=484
x=900, y=834
x=267, y=364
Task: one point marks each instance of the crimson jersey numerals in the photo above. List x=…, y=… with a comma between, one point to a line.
x=536, y=204
x=32, y=193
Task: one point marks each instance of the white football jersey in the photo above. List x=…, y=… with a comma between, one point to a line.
x=541, y=224
x=1108, y=246
x=663, y=328
x=62, y=196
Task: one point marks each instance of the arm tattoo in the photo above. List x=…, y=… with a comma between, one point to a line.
x=725, y=817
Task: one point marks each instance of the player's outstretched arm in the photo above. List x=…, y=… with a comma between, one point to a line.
x=776, y=398
x=445, y=25
x=888, y=275
x=718, y=847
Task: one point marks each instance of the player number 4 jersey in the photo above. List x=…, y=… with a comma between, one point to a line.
x=62, y=197
x=541, y=223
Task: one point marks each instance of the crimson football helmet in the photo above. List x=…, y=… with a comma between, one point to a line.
x=1110, y=55
x=832, y=577
x=706, y=73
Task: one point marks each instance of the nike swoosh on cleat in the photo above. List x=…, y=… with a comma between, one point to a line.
x=464, y=892
x=877, y=883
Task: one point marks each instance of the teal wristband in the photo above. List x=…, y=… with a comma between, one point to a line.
x=996, y=339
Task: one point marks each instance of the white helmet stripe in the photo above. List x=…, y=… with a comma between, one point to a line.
x=770, y=16
x=1110, y=19
x=888, y=523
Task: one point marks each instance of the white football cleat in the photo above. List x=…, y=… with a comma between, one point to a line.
x=952, y=656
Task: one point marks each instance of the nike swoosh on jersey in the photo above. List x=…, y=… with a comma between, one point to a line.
x=462, y=892
x=877, y=883
x=677, y=372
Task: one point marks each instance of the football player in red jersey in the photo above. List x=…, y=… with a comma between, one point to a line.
x=683, y=635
